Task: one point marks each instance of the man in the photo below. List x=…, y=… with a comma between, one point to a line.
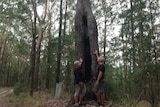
x=79, y=86
x=99, y=84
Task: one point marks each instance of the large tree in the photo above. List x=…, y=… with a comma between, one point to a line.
x=86, y=37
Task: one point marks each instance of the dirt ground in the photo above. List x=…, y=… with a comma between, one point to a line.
x=47, y=101
x=63, y=103
x=3, y=93
x=52, y=102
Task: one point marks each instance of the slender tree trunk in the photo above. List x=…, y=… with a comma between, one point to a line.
x=153, y=87
x=68, y=75
x=7, y=78
x=32, y=62
x=48, y=62
x=32, y=57
x=141, y=46
x=105, y=36
x=2, y=52
x=125, y=66
x=132, y=33
x=65, y=19
x=132, y=54
x=59, y=46
x=141, y=52
x=42, y=28
x=38, y=52
x=49, y=55
x=48, y=74
x=104, y=8
x=37, y=43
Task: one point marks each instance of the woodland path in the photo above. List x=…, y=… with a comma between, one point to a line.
x=3, y=93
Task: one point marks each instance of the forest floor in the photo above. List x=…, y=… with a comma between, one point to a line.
x=40, y=99
x=43, y=99
x=3, y=93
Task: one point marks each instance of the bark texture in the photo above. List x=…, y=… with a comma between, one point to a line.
x=86, y=38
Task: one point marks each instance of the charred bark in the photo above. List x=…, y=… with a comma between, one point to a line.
x=86, y=37
x=86, y=42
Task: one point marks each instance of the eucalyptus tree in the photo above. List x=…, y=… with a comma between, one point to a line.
x=137, y=33
x=59, y=45
x=38, y=35
x=103, y=17
x=20, y=16
x=148, y=19
x=34, y=25
x=153, y=8
x=156, y=61
x=49, y=50
x=5, y=23
x=68, y=45
x=11, y=36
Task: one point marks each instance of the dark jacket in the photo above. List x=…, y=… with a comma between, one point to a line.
x=78, y=75
x=102, y=69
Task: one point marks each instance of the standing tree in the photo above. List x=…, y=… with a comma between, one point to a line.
x=86, y=40
x=57, y=80
x=37, y=37
x=32, y=57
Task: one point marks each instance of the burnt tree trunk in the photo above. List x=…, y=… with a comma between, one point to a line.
x=86, y=39
x=86, y=42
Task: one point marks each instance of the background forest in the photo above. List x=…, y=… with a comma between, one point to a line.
x=37, y=45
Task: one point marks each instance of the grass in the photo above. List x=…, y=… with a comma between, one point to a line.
x=25, y=100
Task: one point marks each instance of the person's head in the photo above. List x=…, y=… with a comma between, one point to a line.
x=100, y=60
x=77, y=64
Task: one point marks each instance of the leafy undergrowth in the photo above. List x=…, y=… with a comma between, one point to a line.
x=40, y=99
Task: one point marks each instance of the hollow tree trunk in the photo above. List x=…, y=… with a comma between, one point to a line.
x=86, y=42
x=86, y=37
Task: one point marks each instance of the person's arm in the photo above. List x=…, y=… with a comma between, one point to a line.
x=99, y=77
x=96, y=53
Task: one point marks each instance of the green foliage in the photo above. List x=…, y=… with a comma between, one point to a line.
x=20, y=87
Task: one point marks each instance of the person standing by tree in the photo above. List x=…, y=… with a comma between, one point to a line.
x=99, y=84
x=79, y=86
